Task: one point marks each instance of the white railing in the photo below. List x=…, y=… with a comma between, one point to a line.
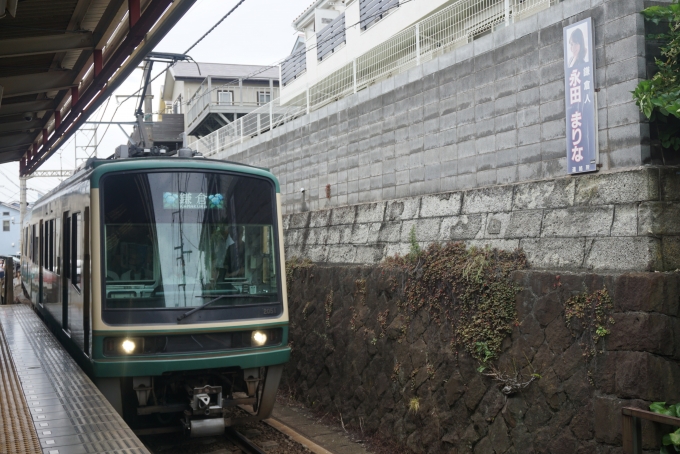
x=256, y=122
x=449, y=28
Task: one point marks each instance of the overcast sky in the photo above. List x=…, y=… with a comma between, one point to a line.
x=257, y=32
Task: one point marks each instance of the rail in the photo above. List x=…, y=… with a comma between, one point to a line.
x=453, y=26
x=632, y=427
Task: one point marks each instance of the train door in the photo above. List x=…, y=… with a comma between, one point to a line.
x=76, y=309
x=66, y=270
x=35, y=231
x=41, y=262
x=86, y=280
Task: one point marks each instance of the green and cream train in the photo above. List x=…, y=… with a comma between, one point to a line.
x=164, y=279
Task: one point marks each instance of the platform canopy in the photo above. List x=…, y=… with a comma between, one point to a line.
x=61, y=59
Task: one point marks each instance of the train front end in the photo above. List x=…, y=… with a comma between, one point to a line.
x=188, y=264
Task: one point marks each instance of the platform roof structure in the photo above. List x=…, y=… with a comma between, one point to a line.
x=61, y=59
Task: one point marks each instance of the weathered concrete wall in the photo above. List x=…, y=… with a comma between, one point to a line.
x=626, y=220
x=339, y=370
x=491, y=112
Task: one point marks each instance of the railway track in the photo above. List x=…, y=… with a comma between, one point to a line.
x=251, y=438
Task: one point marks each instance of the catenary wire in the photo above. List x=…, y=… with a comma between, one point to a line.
x=215, y=26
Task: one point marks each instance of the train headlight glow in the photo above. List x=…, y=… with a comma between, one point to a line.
x=128, y=346
x=259, y=338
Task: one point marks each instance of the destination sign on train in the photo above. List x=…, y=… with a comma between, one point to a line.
x=191, y=200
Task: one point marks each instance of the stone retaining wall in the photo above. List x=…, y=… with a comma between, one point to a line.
x=628, y=220
x=370, y=378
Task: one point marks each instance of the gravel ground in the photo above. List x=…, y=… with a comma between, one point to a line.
x=267, y=438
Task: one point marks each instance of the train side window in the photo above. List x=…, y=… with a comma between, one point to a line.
x=43, y=244
x=34, y=245
x=49, y=245
x=76, y=249
x=67, y=247
x=57, y=229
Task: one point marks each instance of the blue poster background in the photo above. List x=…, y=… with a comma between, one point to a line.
x=579, y=83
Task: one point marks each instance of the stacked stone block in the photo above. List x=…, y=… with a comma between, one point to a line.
x=626, y=220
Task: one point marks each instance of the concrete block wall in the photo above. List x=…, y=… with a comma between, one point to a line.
x=489, y=113
x=620, y=220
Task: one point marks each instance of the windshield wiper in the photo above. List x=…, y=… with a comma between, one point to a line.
x=196, y=309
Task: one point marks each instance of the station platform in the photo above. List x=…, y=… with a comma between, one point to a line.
x=47, y=403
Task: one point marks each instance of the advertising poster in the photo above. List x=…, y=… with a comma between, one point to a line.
x=581, y=111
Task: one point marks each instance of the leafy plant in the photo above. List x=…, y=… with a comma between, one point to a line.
x=659, y=97
x=414, y=248
x=588, y=315
x=414, y=405
x=673, y=438
x=484, y=355
x=470, y=289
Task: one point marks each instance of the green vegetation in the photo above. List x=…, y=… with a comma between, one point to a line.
x=589, y=315
x=673, y=438
x=659, y=97
x=470, y=289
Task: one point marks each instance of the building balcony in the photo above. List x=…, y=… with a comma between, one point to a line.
x=214, y=106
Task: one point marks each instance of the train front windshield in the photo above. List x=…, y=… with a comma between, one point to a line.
x=174, y=241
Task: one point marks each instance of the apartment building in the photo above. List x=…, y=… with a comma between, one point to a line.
x=212, y=95
x=10, y=232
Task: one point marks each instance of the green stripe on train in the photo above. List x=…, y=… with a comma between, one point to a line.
x=148, y=366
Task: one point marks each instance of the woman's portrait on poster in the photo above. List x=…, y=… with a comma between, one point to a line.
x=577, y=48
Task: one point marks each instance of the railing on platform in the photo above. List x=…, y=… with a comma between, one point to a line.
x=632, y=427
x=454, y=26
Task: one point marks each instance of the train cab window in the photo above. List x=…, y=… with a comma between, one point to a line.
x=173, y=240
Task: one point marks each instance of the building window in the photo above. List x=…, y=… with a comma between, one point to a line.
x=5, y=213
x=263, y=97
x=5, y=226
x=177, y=105
x=225, y=97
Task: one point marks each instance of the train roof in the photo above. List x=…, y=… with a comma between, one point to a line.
x=95, y=168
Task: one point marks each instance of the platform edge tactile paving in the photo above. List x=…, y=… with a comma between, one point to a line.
x=39, y=362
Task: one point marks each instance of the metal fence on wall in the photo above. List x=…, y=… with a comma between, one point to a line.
x=453, y=26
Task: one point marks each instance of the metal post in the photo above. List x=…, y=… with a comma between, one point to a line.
x=240, y=92
x=308, y=100
x=418, y=43
x=354, y=74
x=22, y=209
x=271, y=104
x=259, y=126
x=209, y=90
x=507, y=12
x=241, y=129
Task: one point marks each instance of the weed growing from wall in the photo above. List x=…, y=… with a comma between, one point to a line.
x=328, y=305
x=293, y=264
x=361, y=290
x=469, y=288
x=588, y=315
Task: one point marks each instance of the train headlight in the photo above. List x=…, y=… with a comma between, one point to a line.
x=128, y=346
x=259, y=338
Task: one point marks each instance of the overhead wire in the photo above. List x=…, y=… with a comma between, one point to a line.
x=215, y=26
